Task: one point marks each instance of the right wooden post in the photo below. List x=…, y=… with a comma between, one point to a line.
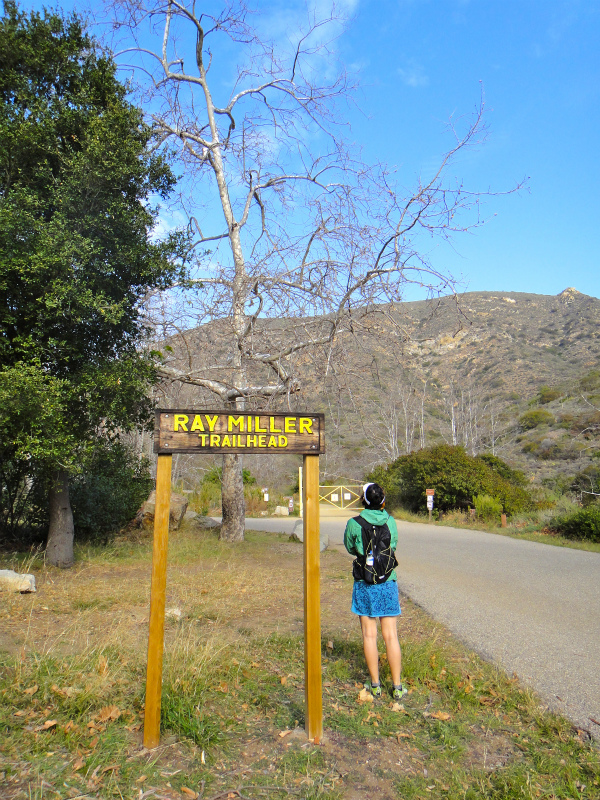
x=312, y=600
x=156, y=635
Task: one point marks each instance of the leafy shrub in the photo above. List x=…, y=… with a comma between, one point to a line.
x=547, y=395
x=590, y=381
x=583, y=524
x=487, y=507
x=109, y=491
x=586, y=483
x=455, y=476
x=531, y=419
x=530, y=447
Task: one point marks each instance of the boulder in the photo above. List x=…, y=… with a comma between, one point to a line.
x=281, y=511
x=200, y=521
x=145, y=516
x=297, y=535
x=16, y=582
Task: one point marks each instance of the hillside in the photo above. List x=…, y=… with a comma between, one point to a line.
x=462, y=370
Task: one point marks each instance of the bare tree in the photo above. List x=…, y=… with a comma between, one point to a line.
x=293, y=238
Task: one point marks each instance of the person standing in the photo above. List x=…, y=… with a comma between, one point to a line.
x=373, y=537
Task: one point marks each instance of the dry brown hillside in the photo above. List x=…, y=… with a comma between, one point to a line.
x=457, y=369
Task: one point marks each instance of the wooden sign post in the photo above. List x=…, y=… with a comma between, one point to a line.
x=156, y=635
x=224, y=432
x=312, y=601
x=430, y=493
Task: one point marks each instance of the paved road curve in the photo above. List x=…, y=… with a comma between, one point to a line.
x=532, y=608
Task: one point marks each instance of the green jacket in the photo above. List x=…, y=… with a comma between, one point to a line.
x=353, y=532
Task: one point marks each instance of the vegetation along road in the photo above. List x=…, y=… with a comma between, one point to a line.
x=532, y=608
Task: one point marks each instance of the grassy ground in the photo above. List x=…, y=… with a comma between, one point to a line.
x=531, y=530
x=72, y=686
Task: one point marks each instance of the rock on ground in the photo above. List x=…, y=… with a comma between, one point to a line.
x=145, y=516
x=200, y=521
x=11, y=581
x=298, y=536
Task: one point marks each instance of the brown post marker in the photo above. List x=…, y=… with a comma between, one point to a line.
x=157, y=602
x=312, y=601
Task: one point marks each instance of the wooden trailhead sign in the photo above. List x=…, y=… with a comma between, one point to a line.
x=221, y=432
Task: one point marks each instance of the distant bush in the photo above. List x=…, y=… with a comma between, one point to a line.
x=547, y=395
x=530, y=447
x=111, y=488
x=583, y=524
x=585, y=483
x=531, y=419
x=214, y=476
x=590, y=381
x=487, y=507
x=455, y=476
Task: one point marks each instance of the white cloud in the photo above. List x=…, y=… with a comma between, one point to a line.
x=413, y=75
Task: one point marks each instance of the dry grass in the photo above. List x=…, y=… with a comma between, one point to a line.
x=72, y=680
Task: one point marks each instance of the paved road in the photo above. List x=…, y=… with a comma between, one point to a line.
x=532, y=608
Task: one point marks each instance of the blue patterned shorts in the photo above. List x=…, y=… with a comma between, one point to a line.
x=375, y=600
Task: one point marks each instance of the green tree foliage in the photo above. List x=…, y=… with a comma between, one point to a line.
x=456, y=478
x=531, y=419
x=76, y=178
x=109, y=490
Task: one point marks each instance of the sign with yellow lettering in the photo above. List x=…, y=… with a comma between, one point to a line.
x=238, y=432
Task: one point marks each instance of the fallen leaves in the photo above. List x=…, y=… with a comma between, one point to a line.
x=67, y=691
x=441, y=715
x=108, y=714
x=397, y=707
x=32, y=689
x=284, y=733
x=365, y=696
x=97, y=774
x=190, y=793
x=102, y=665
x=46, y=726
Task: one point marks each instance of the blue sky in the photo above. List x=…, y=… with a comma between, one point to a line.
x=421, y=61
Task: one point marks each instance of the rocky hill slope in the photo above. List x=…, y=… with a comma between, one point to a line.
x=458, y=369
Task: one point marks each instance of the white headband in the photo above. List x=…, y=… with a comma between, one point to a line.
x=364, y=491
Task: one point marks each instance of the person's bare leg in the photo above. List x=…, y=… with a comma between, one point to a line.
x=389, y=631
x=369, y=634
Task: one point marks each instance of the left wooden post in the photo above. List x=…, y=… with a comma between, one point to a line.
x=157, y=602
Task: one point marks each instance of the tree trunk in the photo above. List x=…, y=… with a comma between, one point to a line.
x=59, y=550
x=232, y=497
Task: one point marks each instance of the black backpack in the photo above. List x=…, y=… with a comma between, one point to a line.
x=378, y=560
